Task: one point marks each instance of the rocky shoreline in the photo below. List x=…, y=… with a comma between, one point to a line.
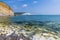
x=15, y=31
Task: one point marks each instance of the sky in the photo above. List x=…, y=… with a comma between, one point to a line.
x=35, y=7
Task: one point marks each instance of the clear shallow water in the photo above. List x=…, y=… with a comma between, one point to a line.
x=48, y=23
x=36, y=18
x=36, y=24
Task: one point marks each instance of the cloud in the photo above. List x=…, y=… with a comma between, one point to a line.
x=35, y=2
x=25, y=5
x=26, y=14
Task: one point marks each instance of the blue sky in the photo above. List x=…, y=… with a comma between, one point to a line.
x=35, y=7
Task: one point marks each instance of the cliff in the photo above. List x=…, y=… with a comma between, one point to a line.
x=5, y=9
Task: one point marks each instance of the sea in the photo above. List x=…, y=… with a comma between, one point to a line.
x=48, y=22
x=46, y=26
x=36, y=18
x=38, y=24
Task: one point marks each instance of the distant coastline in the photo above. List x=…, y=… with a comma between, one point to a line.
x=18, y=13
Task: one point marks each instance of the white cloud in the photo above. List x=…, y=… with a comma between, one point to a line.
x=26, y=14
x=25, y=5
x=35, y=1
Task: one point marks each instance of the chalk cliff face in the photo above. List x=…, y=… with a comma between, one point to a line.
x=5, y=10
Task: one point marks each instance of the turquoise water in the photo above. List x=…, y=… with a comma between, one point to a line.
x=48, y=22
x=36, y=18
